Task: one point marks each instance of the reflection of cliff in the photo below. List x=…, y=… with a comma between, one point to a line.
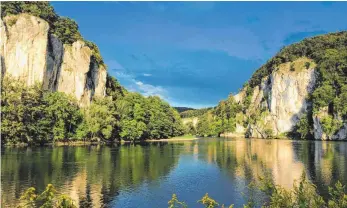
x=92, y=176
x=285, y=159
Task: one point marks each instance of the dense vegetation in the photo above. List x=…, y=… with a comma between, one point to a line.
x=64, y=28
x=33, y=115
x=48, y=198
x=194, y=112
x=182, y=109
x=214, y=121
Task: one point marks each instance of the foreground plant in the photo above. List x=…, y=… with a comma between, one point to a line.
x=49, y=198
x=304, y=194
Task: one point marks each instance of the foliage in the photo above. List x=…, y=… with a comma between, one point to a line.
x=48, y=198
x=66, y=30
x=63, y=113
x=182, y=109
x=175, y=203
x=40, y=9
x=99, y=120
x=33, y=115
x=208, y=202
x=303, y=194
x=338, y=196
x=95, y=52
x=330, y=125
x=304, y=126
x=194, y=112
x=219, y=120
x=190, y=128
x=114, y=89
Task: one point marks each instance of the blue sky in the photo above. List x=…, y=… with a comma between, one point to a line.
x=196, y=53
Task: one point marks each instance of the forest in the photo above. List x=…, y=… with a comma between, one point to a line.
x=35, y=116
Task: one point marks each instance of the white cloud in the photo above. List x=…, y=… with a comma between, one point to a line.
x=134, y=85
x=147, y=75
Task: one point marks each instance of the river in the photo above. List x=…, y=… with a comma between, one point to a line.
x=146, y=175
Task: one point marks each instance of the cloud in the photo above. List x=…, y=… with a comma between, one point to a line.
x=147, y=75
x=128, y=80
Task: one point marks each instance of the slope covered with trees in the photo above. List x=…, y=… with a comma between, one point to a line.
x=33, y=115
x=329, y=53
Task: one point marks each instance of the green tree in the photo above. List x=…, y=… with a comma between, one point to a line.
x=66, y=30
x=63, y=113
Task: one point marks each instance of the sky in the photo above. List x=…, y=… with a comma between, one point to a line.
x=194, y=54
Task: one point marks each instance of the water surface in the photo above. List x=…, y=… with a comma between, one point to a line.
x=146, y=175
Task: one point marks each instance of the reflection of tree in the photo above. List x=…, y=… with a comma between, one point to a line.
x=92, y=175
x=324, y=162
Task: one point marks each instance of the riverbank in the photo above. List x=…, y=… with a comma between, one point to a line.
x=173, y=139
x=82, y=143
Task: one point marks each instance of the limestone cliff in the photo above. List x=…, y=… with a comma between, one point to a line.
x=281, y=99
x=32, y=54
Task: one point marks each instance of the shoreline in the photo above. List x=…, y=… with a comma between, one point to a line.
x=87, y=143
x=174, y=139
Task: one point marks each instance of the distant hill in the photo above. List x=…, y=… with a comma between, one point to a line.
x=194, y=112
x=182, y=109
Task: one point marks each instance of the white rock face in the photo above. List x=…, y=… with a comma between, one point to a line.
x=30, y=53
x=288, y=95
x=281, y=98
x=74, y=69
x=24, y=47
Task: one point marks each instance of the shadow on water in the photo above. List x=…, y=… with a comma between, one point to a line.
x=149, y=173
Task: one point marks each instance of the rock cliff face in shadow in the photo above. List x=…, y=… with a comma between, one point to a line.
x=30, y=53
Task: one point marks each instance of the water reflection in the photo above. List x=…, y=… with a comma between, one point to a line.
x=100, y=175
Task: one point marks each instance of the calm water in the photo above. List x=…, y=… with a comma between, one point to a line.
x=147, y=175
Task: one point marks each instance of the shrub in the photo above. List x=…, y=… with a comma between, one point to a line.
x=66, y=30
x=48, y=198
x=307, y=65
x=292, y=67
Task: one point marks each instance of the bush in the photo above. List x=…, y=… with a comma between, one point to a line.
x=303, y=194
x=95, y=52
x=292, y=67
x=48, y=198
x=66, y=30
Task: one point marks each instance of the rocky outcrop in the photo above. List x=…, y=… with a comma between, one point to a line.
x=281, y=99
x=318, y=129
x=287, y=99
x=24, y=47
x=32, y=54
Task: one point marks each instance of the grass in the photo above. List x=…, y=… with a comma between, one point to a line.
x=298, y=64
